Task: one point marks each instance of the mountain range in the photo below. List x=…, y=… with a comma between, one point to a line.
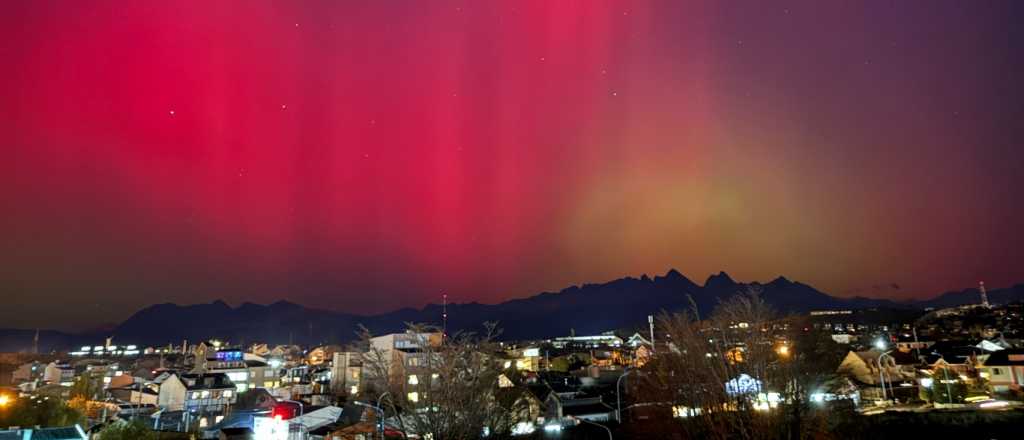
x=584, y=309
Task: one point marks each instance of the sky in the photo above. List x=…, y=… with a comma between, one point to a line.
x=366, y=156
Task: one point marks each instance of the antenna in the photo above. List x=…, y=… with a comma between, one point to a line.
x=984, y=295
x=444, y=317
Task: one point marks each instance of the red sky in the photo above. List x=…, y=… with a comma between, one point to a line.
x=364, y=156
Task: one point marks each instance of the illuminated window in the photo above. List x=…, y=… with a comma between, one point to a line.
x=414, y=397
x=203, y=422
x=353, y=390
x=228, y=394
x=413, y=380
x=218, y=419
x=204, y=394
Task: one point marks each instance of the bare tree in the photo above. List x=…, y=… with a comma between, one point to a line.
x=716, y=373
x=454, y=387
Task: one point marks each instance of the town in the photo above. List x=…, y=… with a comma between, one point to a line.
x=744, y=369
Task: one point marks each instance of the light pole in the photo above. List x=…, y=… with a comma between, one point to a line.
x=577, y=419
x=618, y=394
x=380, y=415
x=380, y=424
x=880, y=374
x=381, y=397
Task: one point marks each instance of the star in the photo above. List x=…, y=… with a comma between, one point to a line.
x=172, y=112
x=284, y=107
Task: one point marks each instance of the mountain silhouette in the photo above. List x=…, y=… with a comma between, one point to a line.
x=585, y=309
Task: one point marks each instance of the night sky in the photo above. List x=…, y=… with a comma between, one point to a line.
x=365, y=156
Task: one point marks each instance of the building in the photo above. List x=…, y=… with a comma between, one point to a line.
x=561, y=405
x=136, y=394
x=246, y=370
x=59, y=373
x=27, y=372
x=208, y=397
x=607, y=339
x=346, y=370
x=171, y=392
x=322, y=354
x=402, y=351
x=1005, y=370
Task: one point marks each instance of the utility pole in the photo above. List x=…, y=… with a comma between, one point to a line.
x=650, y=322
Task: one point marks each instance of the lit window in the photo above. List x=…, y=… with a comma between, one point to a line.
x=203, y=422
x=204, y=394
x=413, y=380
x=228, y=394
x=353, y=390
x=218, y=419
x=414, y=397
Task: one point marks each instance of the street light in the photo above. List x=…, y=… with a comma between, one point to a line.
x=783, y=350
x=380, y=425
x=881, y=378
x=380, y=415
x=618, y=394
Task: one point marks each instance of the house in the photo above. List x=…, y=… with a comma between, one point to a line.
x=637, y=340
x=259, y=349
x=208, y=393
x=64, y=433
x=246, y=370
x=136, y=393
x=170, y=392
x=1005, y=369
x=322, y=354
x=59, y=373
x=866, y=366
x=560, y=405
x=27, y=372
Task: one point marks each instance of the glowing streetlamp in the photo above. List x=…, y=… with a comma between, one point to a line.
x=783, y=350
